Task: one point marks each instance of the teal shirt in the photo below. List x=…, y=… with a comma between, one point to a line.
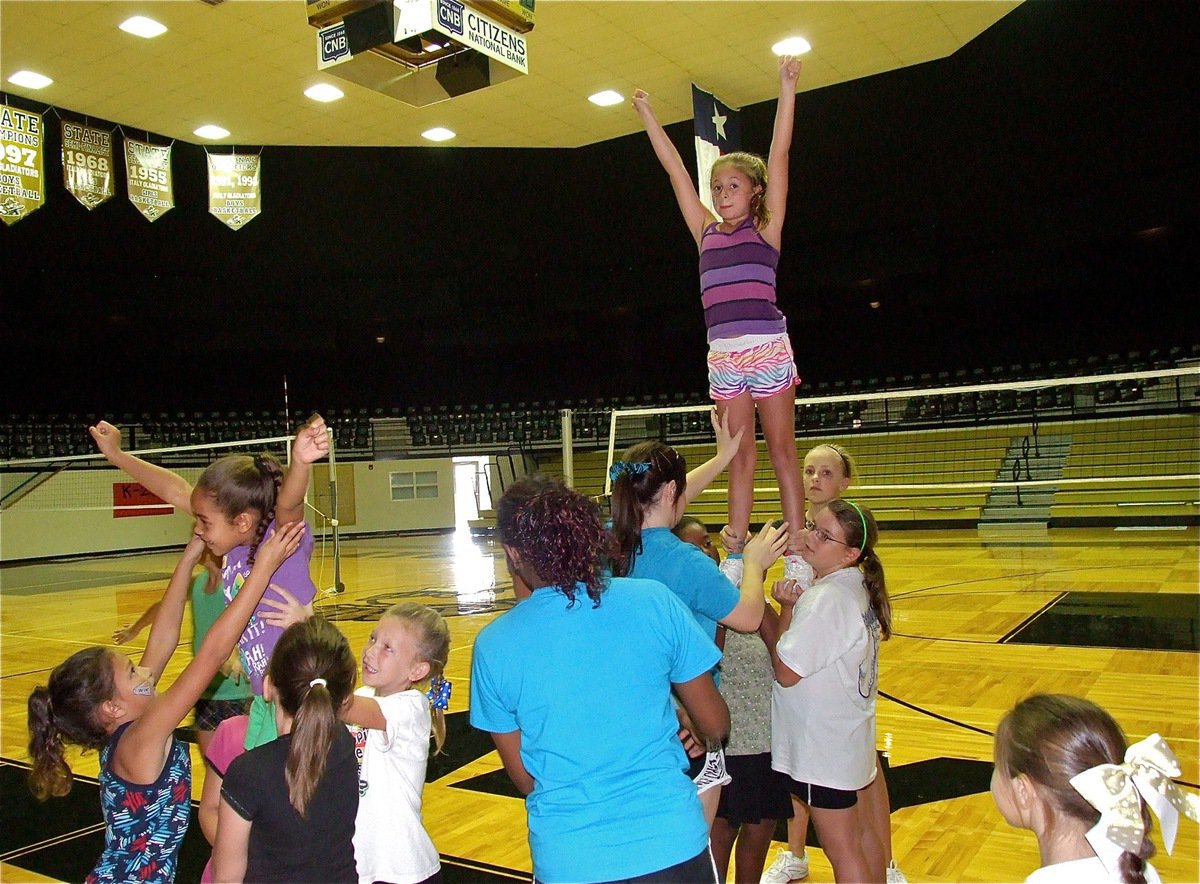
x=206, y=608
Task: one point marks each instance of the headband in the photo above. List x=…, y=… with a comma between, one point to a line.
x=625, y=468
x=862, y=547
x=1118, y=790
x=439, y=693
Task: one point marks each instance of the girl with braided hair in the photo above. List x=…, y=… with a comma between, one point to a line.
x=238, y=501
x=99, y=699
x=574, y=684
x=826, y=663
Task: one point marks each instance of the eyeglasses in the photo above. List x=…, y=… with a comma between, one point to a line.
x=823, y=535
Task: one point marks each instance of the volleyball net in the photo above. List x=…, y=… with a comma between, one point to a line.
x=79, y=504
x=1102, y=448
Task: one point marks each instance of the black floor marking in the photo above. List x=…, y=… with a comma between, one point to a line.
x=1152, y=621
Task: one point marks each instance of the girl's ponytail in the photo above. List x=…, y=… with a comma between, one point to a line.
x=65, y=711
x=872, y=570
x=312, y=737
x=638, y=479
x=862, y=533
x=312, y=671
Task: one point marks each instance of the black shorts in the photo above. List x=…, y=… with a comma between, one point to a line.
x=210, y=713
x=757, y=792
x=822, y=797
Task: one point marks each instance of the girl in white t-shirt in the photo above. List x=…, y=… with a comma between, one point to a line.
x=1064, y=772
x=826, y=665
x=391, y=721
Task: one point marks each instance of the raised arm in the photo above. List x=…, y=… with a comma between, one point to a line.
x=702, y=476
x=141, y=752
x=164, y=631
x=695, y=215
x=310, y=445
x=781, y=145
x=171, y=487
x=761, y=552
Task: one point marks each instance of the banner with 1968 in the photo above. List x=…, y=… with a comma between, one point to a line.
x=148, y=172
x=22, y=184
x=234, y=187
x=87, y=157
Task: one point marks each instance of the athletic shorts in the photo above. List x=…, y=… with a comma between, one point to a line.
x=700, y=869
x=762, y=371
x=757, y=792
x=210, y=713
x=822, y=797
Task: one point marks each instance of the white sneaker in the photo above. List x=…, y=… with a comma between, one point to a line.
x=787, y=867
x=733, y=567
x=894, y=875
x=795, y=568
x=713, y=773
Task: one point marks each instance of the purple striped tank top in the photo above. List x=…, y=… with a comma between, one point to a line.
x=737, y=283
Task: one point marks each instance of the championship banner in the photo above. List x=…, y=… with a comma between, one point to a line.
x=234, y=187
x=718, y=132
x=148, y=175
x=22, y=186
x=87, y=157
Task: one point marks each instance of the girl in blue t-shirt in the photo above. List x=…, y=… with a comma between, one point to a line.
x=650, y=491
x=99, y=699
x=574, y=685
x=238, y=502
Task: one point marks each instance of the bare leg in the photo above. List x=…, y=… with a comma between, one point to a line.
x=744, y=463
x=841, y=834
x=753, y=842
x=721, y=837
x=798, y=827
x=778, y=417
x=203, y=738
x=877, y=812
x=709, y=799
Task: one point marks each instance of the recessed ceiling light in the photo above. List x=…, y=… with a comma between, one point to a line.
x=140, y=26
x=606, y=98
x=437, y=133
x=30, y=80
x=324, y=92
x=792, y=46
x=211, y=132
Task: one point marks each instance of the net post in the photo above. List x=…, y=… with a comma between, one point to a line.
x=612, y=447
x=568, y=448
x=338, y=586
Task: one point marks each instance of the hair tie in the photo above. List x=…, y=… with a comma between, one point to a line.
x=862, y=547
x=318, y=681
x=624, y=468
x=439, y=693
x=1118, y=790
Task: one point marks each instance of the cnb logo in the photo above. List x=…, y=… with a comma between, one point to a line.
x=334, y=44
x=450, y=15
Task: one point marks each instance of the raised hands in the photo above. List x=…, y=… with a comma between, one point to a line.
x=727, y=445
x=767, y=546
x=311, y=442
x=107, y=438
x=641, y=103
x=789, y=71
x=272, y=551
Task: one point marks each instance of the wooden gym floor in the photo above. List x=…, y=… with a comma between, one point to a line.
x=981, y=622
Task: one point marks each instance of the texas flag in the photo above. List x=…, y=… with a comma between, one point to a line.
x=718, y=132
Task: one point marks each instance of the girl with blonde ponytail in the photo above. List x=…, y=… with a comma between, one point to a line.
x=287, y=808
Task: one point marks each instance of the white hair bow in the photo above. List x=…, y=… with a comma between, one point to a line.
x=1117, y=791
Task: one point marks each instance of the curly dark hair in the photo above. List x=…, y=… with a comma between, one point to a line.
x=558, y=532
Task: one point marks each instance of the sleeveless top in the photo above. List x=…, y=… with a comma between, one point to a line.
x=737, y=283
x=145, y=824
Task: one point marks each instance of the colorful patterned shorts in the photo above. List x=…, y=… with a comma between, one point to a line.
x=764, y=371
